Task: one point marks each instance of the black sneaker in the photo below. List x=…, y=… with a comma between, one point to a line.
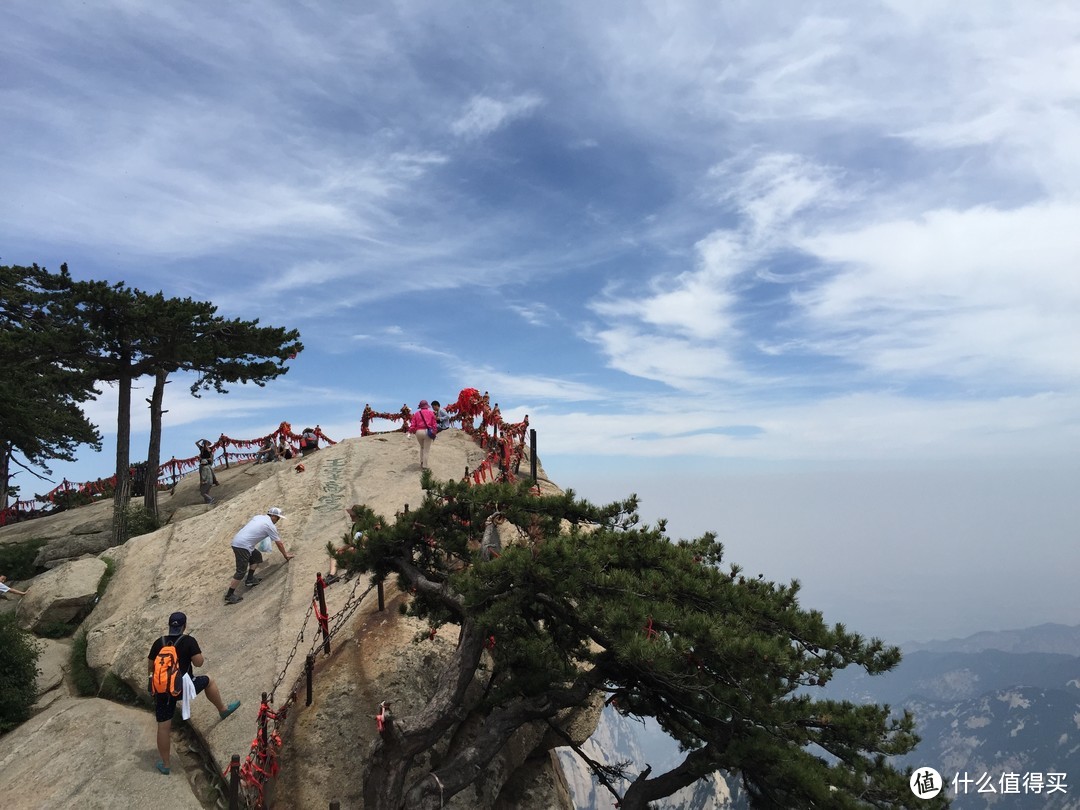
x=233, y=598
x=331, y=579
x=251, y=582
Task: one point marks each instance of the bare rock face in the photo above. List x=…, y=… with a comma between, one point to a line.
x=91, y=754
x=391, y=658
x=52, y=663
x=74, y=546
x=64, y=594
x=259, y=645
x=87, y=519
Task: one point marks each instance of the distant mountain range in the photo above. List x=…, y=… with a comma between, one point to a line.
x=1046, y=638
x=998, y=713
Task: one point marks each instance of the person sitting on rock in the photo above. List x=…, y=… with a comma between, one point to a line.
x=284, y=451
x=442, y=418
x=268, y=451
x=309, y=441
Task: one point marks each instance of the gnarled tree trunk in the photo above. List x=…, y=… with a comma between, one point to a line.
x=123, y=452
x=153, y=452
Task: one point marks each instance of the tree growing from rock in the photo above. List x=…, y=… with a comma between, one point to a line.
x=44, y=380
x=190, y=336
x=586, y=601
x=131, y=333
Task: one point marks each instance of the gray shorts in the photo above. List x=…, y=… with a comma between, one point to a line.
x=244, y=558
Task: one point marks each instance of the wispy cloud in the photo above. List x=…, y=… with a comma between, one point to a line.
x=960, y=294
x=483, y=114
x=694, y=235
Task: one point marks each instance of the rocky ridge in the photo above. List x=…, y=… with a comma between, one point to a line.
x=250, y=648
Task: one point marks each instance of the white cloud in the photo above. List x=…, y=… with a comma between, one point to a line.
x=836, y=429
x=962, y=294
x=771, y=190
x=684, y=329
x=242, y=403
x=532, y=387
x=483, y=114
x=679, y=363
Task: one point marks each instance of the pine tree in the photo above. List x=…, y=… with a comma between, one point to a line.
x=190, y=336
x=130, y=333
x=587, y=601
x=44, y=381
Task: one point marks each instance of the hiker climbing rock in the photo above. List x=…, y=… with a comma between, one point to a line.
x=245, y=549
x=170, y=681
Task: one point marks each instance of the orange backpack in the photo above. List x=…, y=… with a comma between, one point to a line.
x=166, y=677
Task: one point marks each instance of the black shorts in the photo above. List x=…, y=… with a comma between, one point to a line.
x=165, y=705
x=244, y=558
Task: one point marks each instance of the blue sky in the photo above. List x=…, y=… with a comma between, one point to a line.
x=800, y=273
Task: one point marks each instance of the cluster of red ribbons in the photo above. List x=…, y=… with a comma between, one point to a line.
x=25, y=510
x=402, y=416
x=505, y=442
x=248, y=449
x=261, y=764
x=237, y=450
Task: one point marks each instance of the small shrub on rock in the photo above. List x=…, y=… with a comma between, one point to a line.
x=17, y=559
x=18, y=673
x=103, y=583
x=139, y=521
x=82, y=677
x=56, y=629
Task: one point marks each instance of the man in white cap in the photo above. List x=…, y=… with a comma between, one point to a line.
x=245, y=548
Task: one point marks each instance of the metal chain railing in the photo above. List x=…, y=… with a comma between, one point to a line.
x=292, y=652
x=249, y=778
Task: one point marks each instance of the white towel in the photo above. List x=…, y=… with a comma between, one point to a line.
x=188, y=696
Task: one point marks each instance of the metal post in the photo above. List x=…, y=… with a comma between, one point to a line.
x=309, y=670
x=234, y=783
x=324, y=622
x=532, y=453
x=263, y=737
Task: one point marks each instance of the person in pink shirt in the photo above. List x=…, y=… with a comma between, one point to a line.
x=423, y=426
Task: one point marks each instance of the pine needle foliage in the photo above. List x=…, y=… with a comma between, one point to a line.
x=18, y=673
x=557, y=600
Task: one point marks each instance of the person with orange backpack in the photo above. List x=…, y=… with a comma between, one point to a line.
x=170, y=660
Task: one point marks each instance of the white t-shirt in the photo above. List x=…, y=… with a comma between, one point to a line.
x=254, y=531
x=4, y=588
